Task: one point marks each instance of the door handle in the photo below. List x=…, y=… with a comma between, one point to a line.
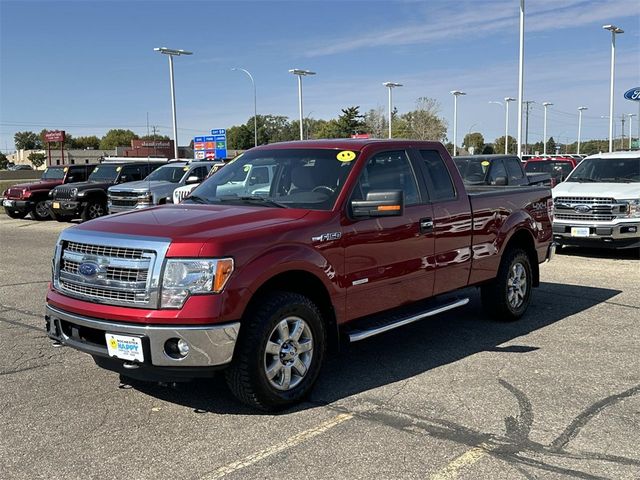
x=426, y=225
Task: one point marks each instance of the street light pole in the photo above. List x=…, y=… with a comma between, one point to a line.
x=520, y=79
x=580, y=110
x=544, y=134
x=630, y=115
x=614, y=30
x=507, y=100
x=171, y=53
x=255, y=108
x=301, y=73
x=391, y=86
x=456, y=94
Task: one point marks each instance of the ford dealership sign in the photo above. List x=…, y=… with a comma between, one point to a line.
x=633, y=94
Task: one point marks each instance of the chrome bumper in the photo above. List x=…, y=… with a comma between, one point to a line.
x=210, y=345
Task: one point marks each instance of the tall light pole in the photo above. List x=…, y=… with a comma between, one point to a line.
x=391, y=86
x=520, y=78
x=171, y=53
x=255, y=108
x=456, y=94
x=580, y=110
x=544, y=134
x=614, y=30
x=507, y=100
x=301, y=73
x=630, y=115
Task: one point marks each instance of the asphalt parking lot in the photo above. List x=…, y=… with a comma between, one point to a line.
x=555, y=395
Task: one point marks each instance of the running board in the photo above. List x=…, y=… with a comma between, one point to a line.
x=399, y=321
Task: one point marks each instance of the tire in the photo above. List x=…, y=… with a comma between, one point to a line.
x=15, y=213
x=507, y=297
x=258, y=377
x=40, y=211
x=93, y=209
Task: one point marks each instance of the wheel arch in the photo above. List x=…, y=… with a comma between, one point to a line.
x=523, y=239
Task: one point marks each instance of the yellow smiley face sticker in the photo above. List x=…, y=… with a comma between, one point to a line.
x=346, y=156
x=118, y=169
x=65, y=169
x=485, y=164
x=113, y=343
x=186, y=168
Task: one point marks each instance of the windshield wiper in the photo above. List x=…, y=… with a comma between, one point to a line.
x=252, y=199
x=618, y=179
x=582, y=179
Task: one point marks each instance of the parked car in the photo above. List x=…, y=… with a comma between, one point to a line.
x=598, y=205
x=496, y=170
x=20, y=166
x=558, y=168
x=31, y=198
x=88, y=200
x=351, y=238
x=183, y=192
x=156, y=187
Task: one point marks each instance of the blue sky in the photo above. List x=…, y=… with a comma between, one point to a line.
x=88, y=66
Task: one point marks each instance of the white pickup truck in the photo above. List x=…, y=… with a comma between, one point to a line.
x=598, y=205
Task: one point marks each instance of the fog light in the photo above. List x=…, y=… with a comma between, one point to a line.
x=176, y=348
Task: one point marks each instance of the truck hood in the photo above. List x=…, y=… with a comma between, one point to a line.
x=39, y=185
x=141, y=186
x=618, y=191
x=90, y=185
x=189, y=227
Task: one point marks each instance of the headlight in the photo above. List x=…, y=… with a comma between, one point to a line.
x=145, y=197
x=184, y=277
x=633, y=207
x=74, y=192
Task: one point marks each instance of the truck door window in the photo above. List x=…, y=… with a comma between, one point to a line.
x=439, y=183
x=200, y=172
x=388, y=171
x=131, y=173
x=514, y=169
x=259, y=175
x=497, y=170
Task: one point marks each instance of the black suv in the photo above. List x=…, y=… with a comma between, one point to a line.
x=88, y=200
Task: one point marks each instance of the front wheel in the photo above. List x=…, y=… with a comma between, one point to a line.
x=507, y=297
x=40, y=211
x=93, y=209
x=279, y=353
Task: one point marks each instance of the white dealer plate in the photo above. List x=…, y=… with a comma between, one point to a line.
x=56, y=205
x=579, y=231
x=124, y=347
x=8, y=203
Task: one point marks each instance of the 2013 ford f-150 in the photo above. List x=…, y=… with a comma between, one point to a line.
x=350, y=239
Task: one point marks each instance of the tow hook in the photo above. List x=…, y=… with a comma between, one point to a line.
x=130, y=365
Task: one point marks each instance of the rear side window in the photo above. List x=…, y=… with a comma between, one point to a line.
x=514, y=170
x=437, y=176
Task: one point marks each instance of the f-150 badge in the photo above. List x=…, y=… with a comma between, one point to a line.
x=326, y=237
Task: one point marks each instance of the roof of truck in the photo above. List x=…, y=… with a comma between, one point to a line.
x=344, y=143
x=616, y=155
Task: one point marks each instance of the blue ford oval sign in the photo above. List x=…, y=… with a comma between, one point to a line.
x=88, y=269
x=633, y=94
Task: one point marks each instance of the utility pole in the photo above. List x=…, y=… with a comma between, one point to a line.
x=154, y=129
x=622, y=138
x=526, y=128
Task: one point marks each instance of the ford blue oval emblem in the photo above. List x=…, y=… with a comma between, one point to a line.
x=582, y=208
x=88, y=269
x=633, y=94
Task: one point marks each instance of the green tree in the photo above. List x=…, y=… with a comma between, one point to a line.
x=551, y=146
x=37, y=159
x=90, y=142
x=498, y=145
x=155, y=137
x=117, y=138
x=376, y=123
x=423, y=123
x=27, y=141
x=474, y=141
x=488, y=149
x=330, y=129
x=4, y=161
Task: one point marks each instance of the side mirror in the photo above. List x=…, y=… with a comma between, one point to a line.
x=192, y=179
x=379, y=204
x=500, y=181
x=71, y=178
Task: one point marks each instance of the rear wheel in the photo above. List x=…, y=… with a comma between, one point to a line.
x=507, y=297
x=93, y=209
x=40, y=211
x=15, y=213
x=279, y=352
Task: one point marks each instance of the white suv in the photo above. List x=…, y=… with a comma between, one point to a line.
x=599, y=202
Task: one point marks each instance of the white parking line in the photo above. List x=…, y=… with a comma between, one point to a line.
x=289, y=443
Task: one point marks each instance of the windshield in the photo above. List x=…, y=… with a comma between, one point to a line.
x=293, y=178
x=168, y=173
x=611, y=170
x=472, y=170
x=556, y=169
x=53, y=173
x=105, y=173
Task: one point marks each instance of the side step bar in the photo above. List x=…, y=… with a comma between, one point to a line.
x=395, y=322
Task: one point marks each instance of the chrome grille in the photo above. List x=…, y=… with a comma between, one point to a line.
x=118, y=202
x=112, y=273
x=14, y=192
x=125, y=194
x=585, y=200
x=579, y=216
x=104, y=251
x=100, y=293
x=62, y=193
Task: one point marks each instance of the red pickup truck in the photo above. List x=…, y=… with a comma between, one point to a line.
x=350, y=239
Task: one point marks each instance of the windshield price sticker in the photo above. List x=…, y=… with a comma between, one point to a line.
x=346, y=156
x=124, y=347
x=118, y=169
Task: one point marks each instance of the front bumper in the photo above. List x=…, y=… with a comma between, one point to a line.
x=210, y=345
x=18, y=205
x=620, y=235
x=65, y=207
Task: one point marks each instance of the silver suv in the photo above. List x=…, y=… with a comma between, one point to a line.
x=159, y=185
